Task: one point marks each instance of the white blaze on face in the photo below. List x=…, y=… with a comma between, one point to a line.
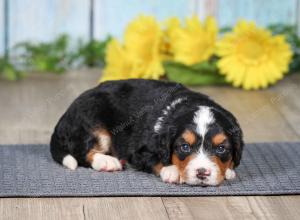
x=202, y=160
x=203, y=118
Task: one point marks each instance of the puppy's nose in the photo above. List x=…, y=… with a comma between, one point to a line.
x=202, y=173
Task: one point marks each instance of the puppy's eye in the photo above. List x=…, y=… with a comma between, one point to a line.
x=220, y=149
x=185, y=148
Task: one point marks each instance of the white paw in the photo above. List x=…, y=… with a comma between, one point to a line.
x=70, y=162
x=103, y=162
x=170, y=174
x=230, y=174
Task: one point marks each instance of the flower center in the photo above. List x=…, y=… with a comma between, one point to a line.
x=251, y=50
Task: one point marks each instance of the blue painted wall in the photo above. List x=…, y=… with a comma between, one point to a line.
x=111, y=17
x=43, y=20
x=264, y=12
x=1, y=27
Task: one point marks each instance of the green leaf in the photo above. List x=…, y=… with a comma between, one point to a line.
x=8, y=71
x=92, y=53
x=47, y=57
x=194, y=75
x=225, y=29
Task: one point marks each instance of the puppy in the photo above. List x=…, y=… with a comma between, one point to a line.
x=159, y=127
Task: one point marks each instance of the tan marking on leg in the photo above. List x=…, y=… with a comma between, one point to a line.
x=157, y=168
x=189, y=137
x=90, y=155
x=104, y=140
x=218, y=139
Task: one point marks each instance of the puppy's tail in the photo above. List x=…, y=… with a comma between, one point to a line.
x=61, y=154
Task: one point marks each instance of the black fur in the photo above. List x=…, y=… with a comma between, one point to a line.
x=129, y=109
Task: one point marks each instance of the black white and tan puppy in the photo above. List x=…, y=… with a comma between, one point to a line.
x=160, y=127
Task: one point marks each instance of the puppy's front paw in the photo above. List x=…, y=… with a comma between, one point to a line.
x=102, y=162
x=230, y=174
x=170, y=174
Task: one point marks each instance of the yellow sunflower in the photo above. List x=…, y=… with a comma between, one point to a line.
x=251, y=57
x=143, y=40
x=118, y=65
x=195, y=42
x=140, y=56
x=171, y=25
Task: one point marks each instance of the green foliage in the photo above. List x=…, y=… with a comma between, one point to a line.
x=205, y=73
x=8, y=71
x=47, y=57
x=290, y=33
x=225, y=29
x=57, y=57
x=92, y=53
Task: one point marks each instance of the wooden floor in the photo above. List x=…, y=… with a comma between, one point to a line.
x=30, y=109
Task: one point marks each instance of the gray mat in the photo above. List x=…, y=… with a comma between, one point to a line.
x=29, y=171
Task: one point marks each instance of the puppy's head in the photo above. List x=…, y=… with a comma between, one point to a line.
x=207, y=146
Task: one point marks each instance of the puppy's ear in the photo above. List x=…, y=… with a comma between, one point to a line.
x=165, y=140
x=237, y=142
x=234, y=131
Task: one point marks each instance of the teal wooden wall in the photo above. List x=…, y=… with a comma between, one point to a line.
x=43, y=20
x=264, y=12
x=1, y=27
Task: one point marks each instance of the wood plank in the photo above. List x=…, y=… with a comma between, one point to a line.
x=112, y=17
x=287, y=101
x=298, y=17
x=82, y=208
x=262, y=12
x=205, y=8
x=1, y=27
x=125, y=208
x=251, y=207
x=42, y=106
x=41, y=208
x=35, y=104
x=35, y=20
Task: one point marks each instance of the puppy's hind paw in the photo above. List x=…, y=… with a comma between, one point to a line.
x=170, y=174
x=70, y=162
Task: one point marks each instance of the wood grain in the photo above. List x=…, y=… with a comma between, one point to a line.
x=262, y=12
x=36, y=20
x=287, y=102
x=239, y=207
x=257, y=112
x=125, y=208
x=41, y=208
x=107, y=23
x=82, y=208
x=2, y=26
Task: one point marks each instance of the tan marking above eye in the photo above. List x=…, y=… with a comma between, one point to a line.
x=218, y=139
x=189, y=137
